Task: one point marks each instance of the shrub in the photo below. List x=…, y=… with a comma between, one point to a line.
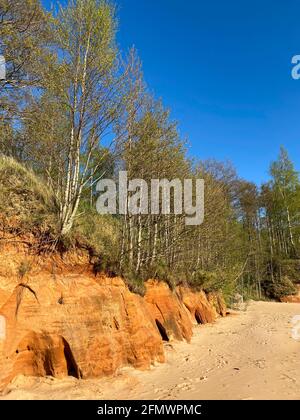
x=205, y=280
x=291, y=269
x=162, y=272
x=100, y=234
x=282, y=286
x=134, y=283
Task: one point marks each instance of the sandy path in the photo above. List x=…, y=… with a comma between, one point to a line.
x=251, y=355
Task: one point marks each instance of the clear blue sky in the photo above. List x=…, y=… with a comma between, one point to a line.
x=224, y=68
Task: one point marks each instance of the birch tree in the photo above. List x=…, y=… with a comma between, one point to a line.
x=89, y=85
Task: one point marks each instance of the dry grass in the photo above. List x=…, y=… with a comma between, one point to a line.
x=25, y=197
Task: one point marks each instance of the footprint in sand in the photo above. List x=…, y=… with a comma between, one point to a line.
x=201, y=379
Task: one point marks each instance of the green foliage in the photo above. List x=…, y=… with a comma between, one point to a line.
x=281, y=287
x=100, y=234
x=204, y=280
x=291, y=269
x=161, y=271
x=135, y=283
x=24, y=31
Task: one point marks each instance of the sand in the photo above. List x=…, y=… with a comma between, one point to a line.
x=248, y=355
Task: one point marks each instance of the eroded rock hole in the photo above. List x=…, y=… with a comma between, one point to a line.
x=45, y=355
x=198, y=318
x=48, y=365
x=162, y=331
x=71, y=364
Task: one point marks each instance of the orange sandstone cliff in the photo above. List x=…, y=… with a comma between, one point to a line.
x=57, y=318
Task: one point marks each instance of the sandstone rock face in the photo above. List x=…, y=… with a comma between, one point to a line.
x=41, y=354
x=168, y=311
x=75, y=325
x=196, y=302
x=217, y=301
x=59, y=319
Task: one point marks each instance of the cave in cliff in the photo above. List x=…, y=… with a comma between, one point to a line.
x=162, y=331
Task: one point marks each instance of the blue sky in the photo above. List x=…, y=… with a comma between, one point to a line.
x=224, y=68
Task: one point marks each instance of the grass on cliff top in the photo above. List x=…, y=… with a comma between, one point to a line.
x=24, y=197
x=27, y=205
